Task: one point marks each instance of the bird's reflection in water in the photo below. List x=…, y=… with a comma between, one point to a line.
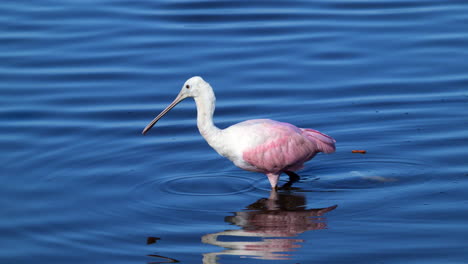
x=268, y=228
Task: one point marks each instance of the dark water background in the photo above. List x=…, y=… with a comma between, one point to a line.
x=80, y=79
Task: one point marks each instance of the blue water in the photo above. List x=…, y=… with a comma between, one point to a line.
x=81, y=79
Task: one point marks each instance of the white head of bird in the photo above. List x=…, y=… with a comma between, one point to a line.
x=203, y=94
x=259, y=145
x=194, y=87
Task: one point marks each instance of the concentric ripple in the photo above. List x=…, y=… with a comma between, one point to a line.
x=207, y=185
x=367, y=173
x=198, y=190
x=372, y=172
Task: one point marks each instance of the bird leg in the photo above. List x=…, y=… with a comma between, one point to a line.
x=273, y=178
x=293, y=177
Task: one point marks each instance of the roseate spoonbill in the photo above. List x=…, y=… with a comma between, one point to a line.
x=259, y=145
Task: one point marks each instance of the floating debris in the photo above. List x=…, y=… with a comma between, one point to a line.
x=151, y=240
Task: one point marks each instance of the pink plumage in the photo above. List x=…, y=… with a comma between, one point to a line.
x=286, y=147
x=325, y=143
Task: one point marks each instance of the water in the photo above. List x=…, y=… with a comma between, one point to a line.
x=81, y=79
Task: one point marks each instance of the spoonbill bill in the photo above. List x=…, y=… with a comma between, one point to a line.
x=259, y=145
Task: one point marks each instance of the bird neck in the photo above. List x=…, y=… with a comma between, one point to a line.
x=205, y=109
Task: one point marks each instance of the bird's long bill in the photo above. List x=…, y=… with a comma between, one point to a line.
x=178, y=99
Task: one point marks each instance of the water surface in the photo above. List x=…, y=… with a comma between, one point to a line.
x=81, y=79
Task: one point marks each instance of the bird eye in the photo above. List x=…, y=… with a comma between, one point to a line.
x=187, y=86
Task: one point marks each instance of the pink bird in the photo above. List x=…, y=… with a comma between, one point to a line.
x=259, y=145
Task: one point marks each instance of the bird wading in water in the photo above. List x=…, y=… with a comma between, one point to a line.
x=259, y=145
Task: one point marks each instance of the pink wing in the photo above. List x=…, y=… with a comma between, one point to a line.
x=287, y=147
x=325, y=143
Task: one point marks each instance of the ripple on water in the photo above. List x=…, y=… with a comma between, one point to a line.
x=351, y=181
x=369, y=172
x=207, y=185
x=193, y=192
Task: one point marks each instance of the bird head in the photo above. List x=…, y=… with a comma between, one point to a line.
x=193, y=87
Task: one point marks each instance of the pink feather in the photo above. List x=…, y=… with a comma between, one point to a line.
x=287, y=148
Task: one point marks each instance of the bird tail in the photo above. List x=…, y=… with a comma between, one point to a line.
x=325, y=143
